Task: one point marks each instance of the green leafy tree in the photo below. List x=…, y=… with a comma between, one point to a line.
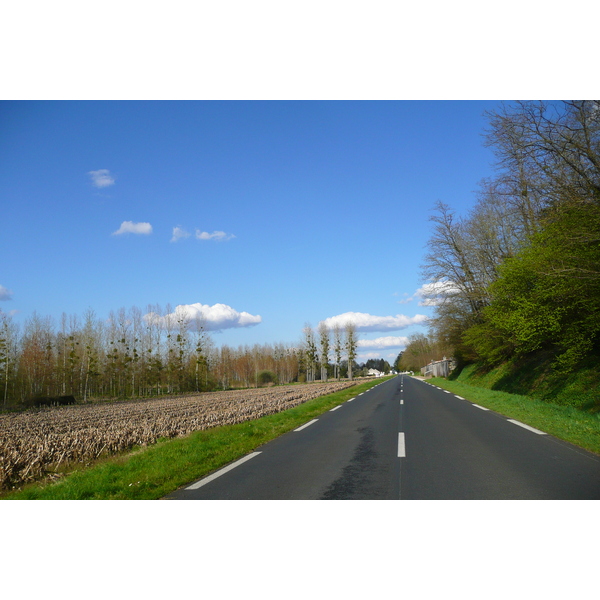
x=398, y=361
x=548, y=296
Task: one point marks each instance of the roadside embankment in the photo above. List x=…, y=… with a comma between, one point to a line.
x=535, y=376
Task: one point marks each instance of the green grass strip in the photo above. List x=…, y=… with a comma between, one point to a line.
x=155, y=471
x=564, y=422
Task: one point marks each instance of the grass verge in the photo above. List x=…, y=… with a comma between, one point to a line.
x=152, y=472
x=565, y=422
x=535, y=377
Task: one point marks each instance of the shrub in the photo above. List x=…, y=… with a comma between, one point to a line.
x=265, y=378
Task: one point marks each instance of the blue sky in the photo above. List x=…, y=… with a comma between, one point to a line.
x=291, y=211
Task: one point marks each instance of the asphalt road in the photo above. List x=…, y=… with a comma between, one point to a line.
x=406, y=439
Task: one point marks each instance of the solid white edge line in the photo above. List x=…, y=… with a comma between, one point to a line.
x=224, y=470
x=527, y=427
x=401, y=447
x=338, y=406
x=481, y=407
x=306, y=425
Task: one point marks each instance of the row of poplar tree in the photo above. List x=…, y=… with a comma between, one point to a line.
x=129, y=355
x=520, y=273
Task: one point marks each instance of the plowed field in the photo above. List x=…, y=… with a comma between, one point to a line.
x=35, y=443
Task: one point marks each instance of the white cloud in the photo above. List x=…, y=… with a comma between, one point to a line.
x=367, y=322
x=131, y=227
x=212, y=318
x=179, y=234
x=434, y=293
x=219, y=236
x=406, y=299
x=362, y=357
x=382, y=343
x=101, y=178
x=5, y=294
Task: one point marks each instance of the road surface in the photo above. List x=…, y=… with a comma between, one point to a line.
x=406, y=439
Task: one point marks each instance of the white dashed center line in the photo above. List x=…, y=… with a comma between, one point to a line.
x=401, y=448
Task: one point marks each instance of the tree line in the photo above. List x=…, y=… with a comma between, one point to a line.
x=136, y=354
x=520, y=273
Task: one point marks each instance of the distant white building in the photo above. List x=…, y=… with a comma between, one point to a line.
x=374, y=373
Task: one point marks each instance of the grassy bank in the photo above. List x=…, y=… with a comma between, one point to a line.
x=535, y=376
x=568, y=423
x=152, y=472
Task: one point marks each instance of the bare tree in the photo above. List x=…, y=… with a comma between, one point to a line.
x=37, y=359
x=450, y=258
x=91, y=338
x=154, y=335
x=351, y=344
x=8, y=354
x=337, y=349
x=200, y=353
x=324, y=348
x=310, y=352
x=554, y=146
